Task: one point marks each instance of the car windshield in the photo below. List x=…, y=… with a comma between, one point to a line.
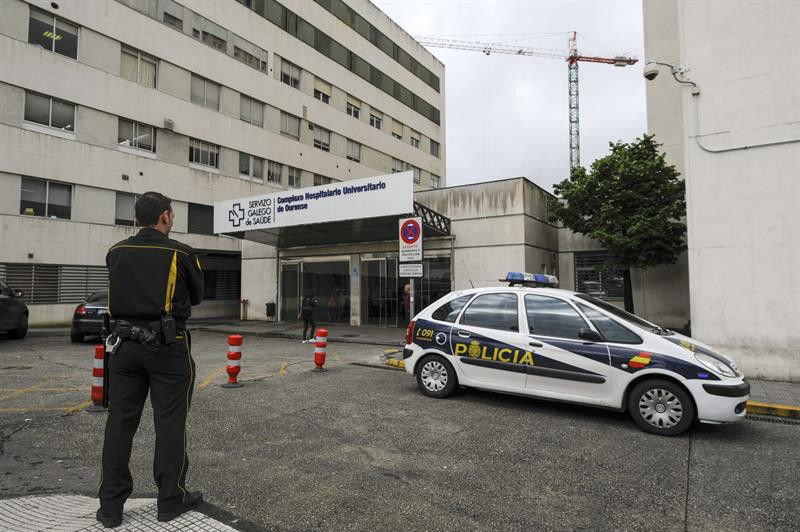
x=623, y=315
x=98, y=298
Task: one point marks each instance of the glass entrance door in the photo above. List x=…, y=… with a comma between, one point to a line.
x=380, y=298
x=290, y=291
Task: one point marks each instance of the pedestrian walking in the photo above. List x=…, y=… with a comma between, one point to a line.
x=153, y=283
x=307, y=314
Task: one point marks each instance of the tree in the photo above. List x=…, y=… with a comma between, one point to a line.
x=632, y=202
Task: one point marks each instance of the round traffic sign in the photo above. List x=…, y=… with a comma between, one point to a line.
x=410, y=232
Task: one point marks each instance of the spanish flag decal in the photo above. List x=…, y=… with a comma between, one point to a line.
x=640, y=360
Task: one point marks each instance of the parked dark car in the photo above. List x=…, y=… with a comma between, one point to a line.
x=88, y=317
x=13, y=312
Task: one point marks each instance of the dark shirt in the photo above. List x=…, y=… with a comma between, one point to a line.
x=307, y=308
x=150, y=275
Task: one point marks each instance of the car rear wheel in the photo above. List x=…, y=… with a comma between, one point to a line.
x=661, y=407
x=436, y=377
x=22, y=328
x=75, y=337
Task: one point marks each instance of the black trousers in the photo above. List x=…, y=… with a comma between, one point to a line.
x=306, y=323
x=169, y=377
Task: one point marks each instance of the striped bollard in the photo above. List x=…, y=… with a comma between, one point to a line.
x=97, y=380
x=320, y=346
x=234, y=360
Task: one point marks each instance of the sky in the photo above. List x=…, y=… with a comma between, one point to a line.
x=507, y=116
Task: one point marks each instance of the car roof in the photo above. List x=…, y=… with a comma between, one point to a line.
x=559, y=292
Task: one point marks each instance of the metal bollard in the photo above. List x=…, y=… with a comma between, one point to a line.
x=97, y=380
x=234, y=360
x=320, y=346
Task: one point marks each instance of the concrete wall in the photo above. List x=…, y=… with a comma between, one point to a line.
x=743, y=205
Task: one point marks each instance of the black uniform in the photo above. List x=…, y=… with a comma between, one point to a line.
x=150, y=276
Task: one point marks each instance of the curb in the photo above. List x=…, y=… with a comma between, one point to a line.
x=772, y=409
x=289, y=336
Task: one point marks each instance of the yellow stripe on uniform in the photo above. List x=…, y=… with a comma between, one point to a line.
x=173, y=275
x=198, y=263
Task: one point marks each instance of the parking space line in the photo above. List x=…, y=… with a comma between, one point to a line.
x=29, y=389
x=284, y=369
x=336, y=356
x=213, y=375
x=78, y=407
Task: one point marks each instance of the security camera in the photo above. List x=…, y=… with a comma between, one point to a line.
x=650, y=72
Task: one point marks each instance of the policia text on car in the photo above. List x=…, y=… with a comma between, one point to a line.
x=153, y=282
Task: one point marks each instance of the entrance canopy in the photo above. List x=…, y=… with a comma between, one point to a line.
x=363, y=210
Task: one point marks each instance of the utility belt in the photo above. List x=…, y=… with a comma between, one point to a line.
x=151, y=334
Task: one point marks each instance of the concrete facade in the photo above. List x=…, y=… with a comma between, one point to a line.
x=739, y=143
x=243, y=63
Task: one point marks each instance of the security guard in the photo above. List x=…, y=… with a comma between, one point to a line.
x=153, y=282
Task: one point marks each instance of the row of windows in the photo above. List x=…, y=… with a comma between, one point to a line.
x=320, y=41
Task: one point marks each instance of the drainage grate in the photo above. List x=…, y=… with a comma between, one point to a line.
x=771, y=419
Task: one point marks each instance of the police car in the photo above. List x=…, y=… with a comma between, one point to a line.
x=530, y=338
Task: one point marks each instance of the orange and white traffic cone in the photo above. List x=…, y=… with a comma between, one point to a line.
x=320, y=347
x=234, y=361
x=97, y=380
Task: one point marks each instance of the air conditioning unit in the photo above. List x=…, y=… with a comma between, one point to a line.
x=169, y=124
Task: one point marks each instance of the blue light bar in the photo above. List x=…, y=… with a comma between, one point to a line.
x=531, y=279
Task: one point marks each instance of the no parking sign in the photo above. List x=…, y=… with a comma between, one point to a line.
x=410, y=240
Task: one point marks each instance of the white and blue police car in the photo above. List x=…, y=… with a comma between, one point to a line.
x=530, y=338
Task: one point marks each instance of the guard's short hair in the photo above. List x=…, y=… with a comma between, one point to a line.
x=149, y=207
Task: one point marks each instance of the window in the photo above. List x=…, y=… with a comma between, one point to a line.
x=205, y=93
x=434, y=148
x=138, y=67
x=322, y=90
x=173, y=21
x=125, y=213
x=397, y=129
x=49, y=111
x=321, y=180
x=290, y=73
x=293, y=179
x=435, y=181
x=252, y=166
x=618, y=312
x=213, y=41
x=290, y=125
x=493, y=311
x=45, y=198
x=415, y=139
x=249, y=59
x=375, y=120
x=548, y=316
x=417, y=174
x=610, y=329
x=353, y=107
x=200, y=219
x=251, y=111
x=449, y=311
x=274, y=172
x=594, y=277
x=203, y=153
x=322, y=138
x=398, y=166
x=353, y=151
x=136, y=135
x=53, y=34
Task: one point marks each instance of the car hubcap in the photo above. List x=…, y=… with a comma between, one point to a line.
x=434, y=376
x=660, y=408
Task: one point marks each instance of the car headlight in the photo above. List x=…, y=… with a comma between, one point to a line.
x=715, y=364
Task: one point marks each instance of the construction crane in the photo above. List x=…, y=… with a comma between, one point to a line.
x=572, y=60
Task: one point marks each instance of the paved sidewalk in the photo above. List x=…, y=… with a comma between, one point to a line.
x=337, y=332
x=73, y=513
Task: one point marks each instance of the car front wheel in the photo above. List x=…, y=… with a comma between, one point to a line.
x=436, y=377
x=22, y=328
x=661, y=407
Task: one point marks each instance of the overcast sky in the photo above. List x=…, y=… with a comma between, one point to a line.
x=506, y=115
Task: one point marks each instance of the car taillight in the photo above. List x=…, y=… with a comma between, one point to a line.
x=81, y=310
x=410, y=332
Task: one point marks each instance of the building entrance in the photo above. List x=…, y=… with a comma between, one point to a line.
x=381, y=300
x=327, y=282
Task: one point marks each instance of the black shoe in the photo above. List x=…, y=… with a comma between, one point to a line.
x=109, y=521
x=193, y=500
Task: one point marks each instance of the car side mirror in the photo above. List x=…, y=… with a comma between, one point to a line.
x=590, y=335
x=18, y=293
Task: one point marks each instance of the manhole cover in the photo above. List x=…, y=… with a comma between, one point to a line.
x=350, y=335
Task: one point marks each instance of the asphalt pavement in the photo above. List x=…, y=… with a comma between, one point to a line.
x=360, y=448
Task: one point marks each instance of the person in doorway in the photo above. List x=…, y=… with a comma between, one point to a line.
x=307, y=315
x=407, y=302
x=333, y=305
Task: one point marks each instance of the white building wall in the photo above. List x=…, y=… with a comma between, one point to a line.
x=743, y=205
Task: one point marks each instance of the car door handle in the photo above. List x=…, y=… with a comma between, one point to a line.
x=464, y=334
x=535, y=344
